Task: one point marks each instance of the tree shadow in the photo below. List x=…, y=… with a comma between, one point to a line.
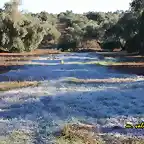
x=86, y=106
x=136, y=70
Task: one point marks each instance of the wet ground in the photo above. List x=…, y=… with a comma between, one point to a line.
x=43, y=110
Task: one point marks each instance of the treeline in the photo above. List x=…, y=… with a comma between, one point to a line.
x=20, y=31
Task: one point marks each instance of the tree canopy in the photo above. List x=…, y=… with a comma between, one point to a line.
x=21, y=31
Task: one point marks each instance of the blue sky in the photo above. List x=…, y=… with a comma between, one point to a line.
x=78, y=6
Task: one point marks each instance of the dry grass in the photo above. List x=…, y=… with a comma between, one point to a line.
x=77, y=134
x=121, y=140
x=137, y=56
x=10, y=61
x=15, y=58
x=36, y=52
x=4, y=86
x=13, y=63
x=86, y=134
x=109, y=80
x=127, y=65
x=17, y=137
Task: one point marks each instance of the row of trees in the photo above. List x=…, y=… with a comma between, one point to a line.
x=21, y=31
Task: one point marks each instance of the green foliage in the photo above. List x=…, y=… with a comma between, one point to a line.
x=25, y=34
x=137, y=5
x=96, y=16
x=20, y=36
x=26, y=31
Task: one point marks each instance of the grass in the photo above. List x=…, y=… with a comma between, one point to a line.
x=74, y=134
x=15, y=58
x=17, y=137
x=104, y=63
x=12, y=63
x=128, y=64
x=4, y=86
x=96, y=62
x=109, y=80
x=131, y=64
x=11, y=59
x=109, y=139
x=19, y=61
x=137, y=56
x=110, y=63
x=36, y=52
x=77, y=134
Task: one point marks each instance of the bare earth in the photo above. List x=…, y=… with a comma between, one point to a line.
x=11, y=59
x=36, y=52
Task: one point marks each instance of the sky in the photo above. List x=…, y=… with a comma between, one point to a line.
x=77, y=6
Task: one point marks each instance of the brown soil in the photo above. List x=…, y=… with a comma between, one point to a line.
x=16, y=58
x=12, y=63
x=90, y=45
x=12, y=59
x=36, y=52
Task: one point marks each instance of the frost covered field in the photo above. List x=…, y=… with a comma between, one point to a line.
x=35, y=114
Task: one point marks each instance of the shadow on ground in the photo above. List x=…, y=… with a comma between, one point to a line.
x=88, y=107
